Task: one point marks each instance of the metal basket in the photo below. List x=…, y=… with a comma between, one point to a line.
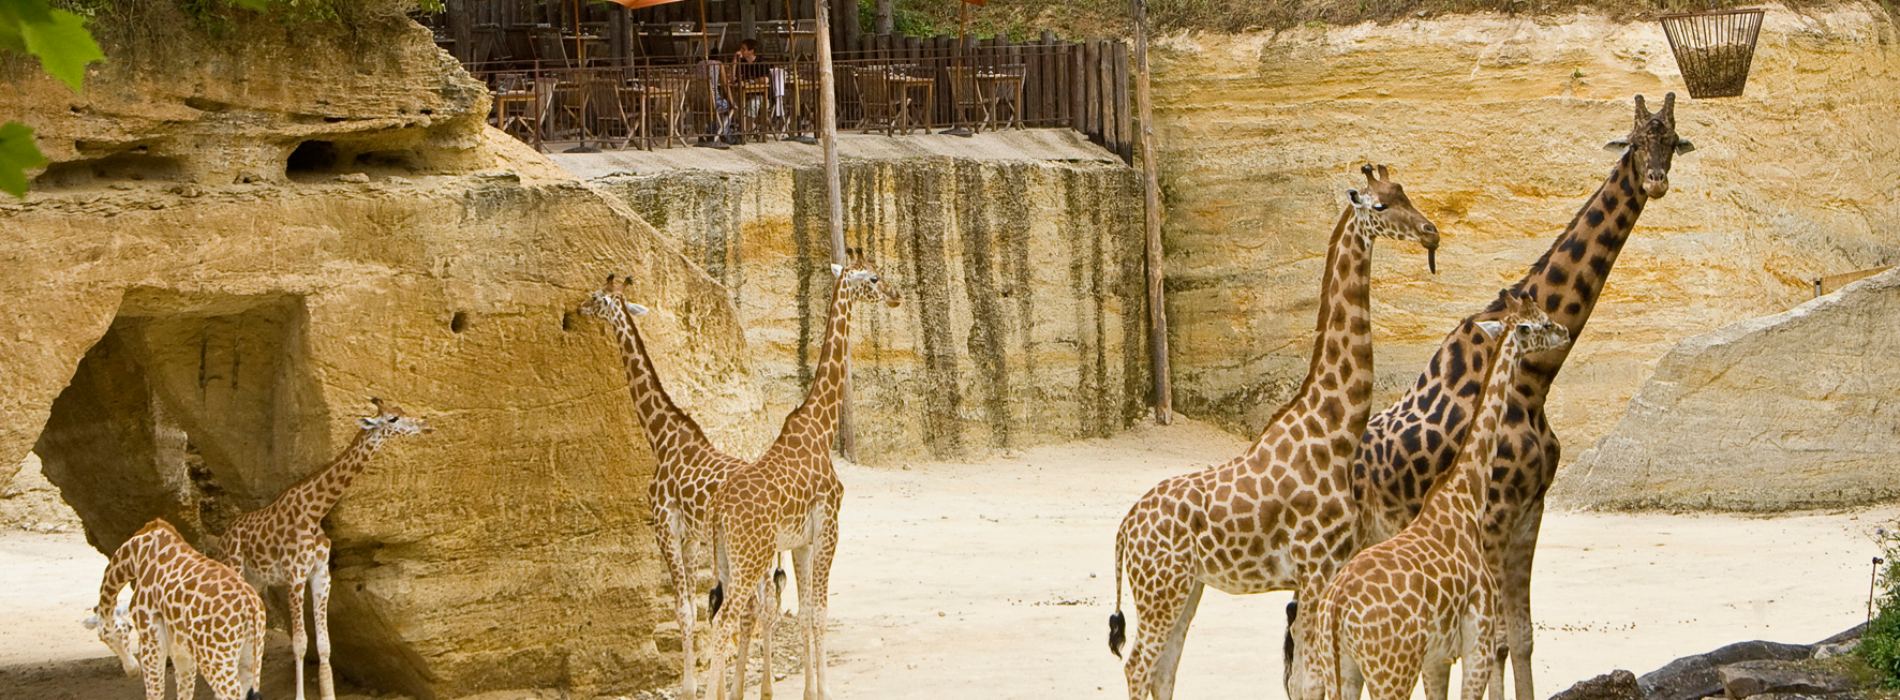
x=1714, y=48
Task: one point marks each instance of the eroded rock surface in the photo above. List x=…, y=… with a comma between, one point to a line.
x=1019, y=257
x=1496, y=127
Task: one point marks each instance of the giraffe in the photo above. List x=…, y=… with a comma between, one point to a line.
x=1278, y=516
x=185, y=606
x=282, y=544
x=1429, y=594
x=689, y=471
x=1410, y=445
x=789, y=497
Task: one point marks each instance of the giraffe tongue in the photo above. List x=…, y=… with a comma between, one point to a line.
x=1431, y=259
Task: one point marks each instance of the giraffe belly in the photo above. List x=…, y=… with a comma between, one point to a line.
x=1237, y=569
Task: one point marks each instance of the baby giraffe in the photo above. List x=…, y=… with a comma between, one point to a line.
x=186, y=607
x=283, y=544
x=1427, y=594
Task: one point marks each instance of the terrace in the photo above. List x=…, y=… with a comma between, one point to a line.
x=597, y=76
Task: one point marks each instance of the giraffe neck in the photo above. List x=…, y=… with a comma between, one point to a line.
x=320, y=492
x=1338, y=384
x=817, y=417
x=1569, y=278
x=1458, y=501
x=668, y=428
x=120, y=571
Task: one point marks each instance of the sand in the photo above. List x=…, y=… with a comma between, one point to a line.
x=994, y=579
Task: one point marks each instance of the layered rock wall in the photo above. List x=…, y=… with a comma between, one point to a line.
x=1793, y=410
x=199, y=308
x=1019, y=257
x=1496, y=125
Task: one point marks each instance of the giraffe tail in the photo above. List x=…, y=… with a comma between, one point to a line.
x=1117, y=624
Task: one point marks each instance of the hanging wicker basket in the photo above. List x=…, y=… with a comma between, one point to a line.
x=1714, y=48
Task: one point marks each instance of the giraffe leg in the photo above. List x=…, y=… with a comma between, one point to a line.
x=221, y=671
x=673, y=549
x=320, y=619
x=801, y=571
x=744, y=657
x=735, y=617
x=1479, y=636
x=298, y=640
x=1160, y=589
x=184, y=671
x=1170, y=659
x=152, y=653
x=1437, y=678
x=824, y=546
x=1516, y=603
x=768, y=622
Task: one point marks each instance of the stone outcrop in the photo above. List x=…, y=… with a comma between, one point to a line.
x=1496, y=125
x=1792, y=410
x=1019, y=256
x=1752, y=669
x=197, y=314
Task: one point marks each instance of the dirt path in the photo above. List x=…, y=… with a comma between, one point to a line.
x=995, y=580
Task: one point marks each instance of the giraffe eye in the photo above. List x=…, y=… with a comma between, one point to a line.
x=873, y=278
x=1379, y=207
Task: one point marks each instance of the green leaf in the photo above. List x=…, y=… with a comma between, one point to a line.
x=64, y=46
x=25, y=11
x=17, y=153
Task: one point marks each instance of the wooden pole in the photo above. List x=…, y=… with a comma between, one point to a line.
x=1151, y=191
x=834, y=198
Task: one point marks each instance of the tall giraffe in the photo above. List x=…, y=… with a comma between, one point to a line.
x=789, y=498
x=1410, y=445
x=282, y=544
x=185, y=607
x=689, y=471
x=1429, y=595
x=1278, y=516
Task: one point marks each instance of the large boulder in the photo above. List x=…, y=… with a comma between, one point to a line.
x=1748, y=679
x=1700, y=676
x=198, y=309
x=1793, y=410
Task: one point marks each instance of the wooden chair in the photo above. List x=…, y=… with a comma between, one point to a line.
x=885, y=104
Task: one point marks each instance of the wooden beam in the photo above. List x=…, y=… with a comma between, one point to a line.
x=834, y=199
x=1151, y=198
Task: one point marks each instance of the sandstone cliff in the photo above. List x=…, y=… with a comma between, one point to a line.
x=1793, y=410
x=1496, y=127
x=241, y=241
x=1019, y=256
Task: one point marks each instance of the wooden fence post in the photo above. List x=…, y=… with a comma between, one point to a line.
x=1151, y=198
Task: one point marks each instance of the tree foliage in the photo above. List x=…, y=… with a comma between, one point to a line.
x=58, y=38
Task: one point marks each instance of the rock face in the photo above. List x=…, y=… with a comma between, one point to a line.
x=1700, y=676
x=1793, y=410
x=1752, y=678
x=1019, y=256
x=1496, y=125
x=1615, y=685
x=197, y=314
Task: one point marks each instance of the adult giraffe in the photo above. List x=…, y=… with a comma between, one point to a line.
x=1279, y=516
x=1408, y=447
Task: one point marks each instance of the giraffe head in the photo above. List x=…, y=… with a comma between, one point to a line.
x=861, y=283
x=390, y=420
x=1535, y=331
x=605, y=302
x=1653, y=143
x=1383, y=211
x=115, y=629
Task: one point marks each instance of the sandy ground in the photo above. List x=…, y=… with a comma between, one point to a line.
x=994, y=579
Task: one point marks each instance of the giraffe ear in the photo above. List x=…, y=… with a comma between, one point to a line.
x=91, y=622
x=1491, y=328
x=366, y=423
x=1684, y=146
x=836, y=269
x=636, y=309
x=1617, y=145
